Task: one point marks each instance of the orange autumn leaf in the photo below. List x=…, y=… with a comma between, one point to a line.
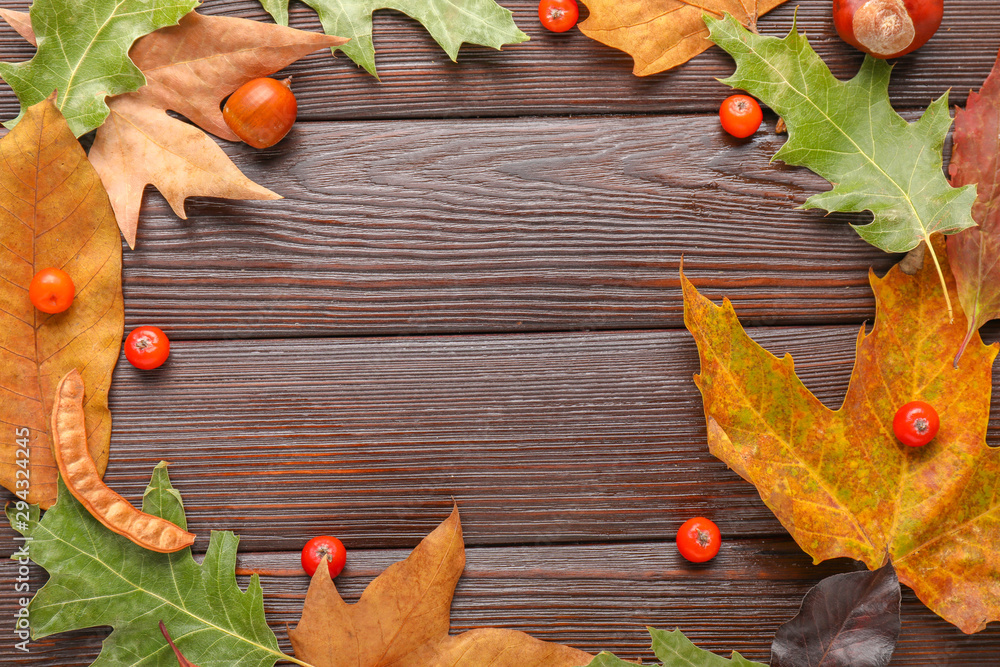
x=190, y=69
x=403, y=618
x=838, y=480
x=54, y=212
x=662, y=34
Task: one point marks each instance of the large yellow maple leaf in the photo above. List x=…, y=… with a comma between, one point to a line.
x=838, y=480
x=661, y=34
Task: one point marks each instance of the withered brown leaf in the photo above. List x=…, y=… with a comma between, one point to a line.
x=403, y=618
x=189, y=68
x=661, y=34
x=53, y=212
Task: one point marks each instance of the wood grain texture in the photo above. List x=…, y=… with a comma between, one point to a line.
x=557, y=74
x=591, y=596
x=499, y=225
x=541, y=438
x=478, y=302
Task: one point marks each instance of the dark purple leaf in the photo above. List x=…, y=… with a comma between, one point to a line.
x=847, y=620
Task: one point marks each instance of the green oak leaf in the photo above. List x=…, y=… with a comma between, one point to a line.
x=97, y=577
x=848, y=133
x=450, y=22
x=676, y=650
x=83, y=54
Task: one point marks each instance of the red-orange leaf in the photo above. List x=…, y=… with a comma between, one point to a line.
x=838, y=480
x=402, y=619
x=975, y=252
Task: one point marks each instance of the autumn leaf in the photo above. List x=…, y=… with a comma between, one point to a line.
x=97, y=577
x=402, y=618
x=54, y=212
x=661, y=34
x=848, y=133
x=838, y=480
x=20, y=22
x=450, y=22
x=190, y=69
x=83, y=54
x=975, y=253
x=847, y=620
x=673, y=648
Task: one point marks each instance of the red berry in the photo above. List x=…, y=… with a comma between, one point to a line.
x=558, y=15
x=147, y=347
x=699, y=539
x=740, y=115
x=322, y=547
x=916, y=423
x=51, y=290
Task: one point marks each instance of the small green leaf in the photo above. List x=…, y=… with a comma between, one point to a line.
x=97, y=577
x=676, y=650
x=450, y=22
x=83, y=54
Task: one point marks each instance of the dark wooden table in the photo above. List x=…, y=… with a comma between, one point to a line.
x=470, y=292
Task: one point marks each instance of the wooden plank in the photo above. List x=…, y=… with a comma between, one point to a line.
x=499, y=225
x=541, y=438
x=592, y=596
x=570, y=74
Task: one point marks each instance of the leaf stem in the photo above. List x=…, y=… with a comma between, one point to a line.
x=944, y=285
x=297, y=662
x=965, y=343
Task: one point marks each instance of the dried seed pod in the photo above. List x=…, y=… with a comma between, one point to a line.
x=79, y=473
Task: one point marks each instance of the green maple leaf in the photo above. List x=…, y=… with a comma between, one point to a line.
x=450, y=22
x=673, y=648
x=848, y=133
x=83, y=54
x=97, y=577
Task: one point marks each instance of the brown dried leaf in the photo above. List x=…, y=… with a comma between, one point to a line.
x=189, y=68
x=661, y=34
x=838, y=480
x=54, y=212
x=20, y=22
x=975, y=252
x=403, y=617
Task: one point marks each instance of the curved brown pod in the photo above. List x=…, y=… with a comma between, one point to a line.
x=79, y=473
